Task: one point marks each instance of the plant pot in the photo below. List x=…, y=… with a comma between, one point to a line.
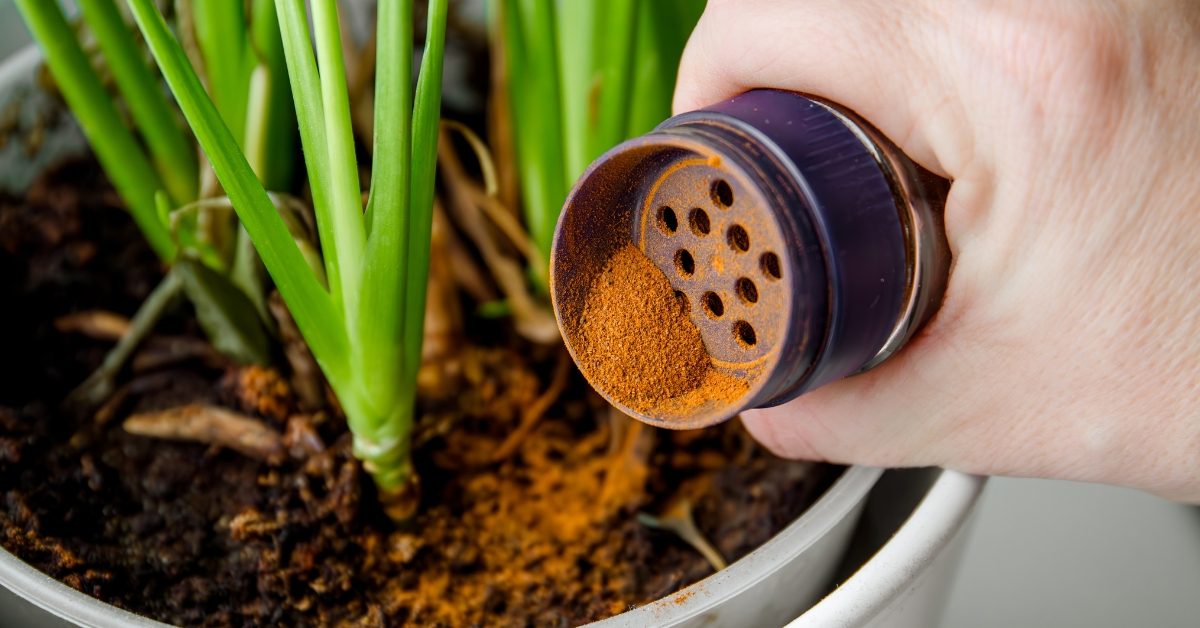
x=770, y=586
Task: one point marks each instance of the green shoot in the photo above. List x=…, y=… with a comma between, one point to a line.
x=365, y=330
x=116, y=148
x=576, y=90
x=223, y=41
x=250, y=82
x=271, y=120
x=173, y=151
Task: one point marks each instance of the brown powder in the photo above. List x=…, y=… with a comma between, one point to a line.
x=638, y=345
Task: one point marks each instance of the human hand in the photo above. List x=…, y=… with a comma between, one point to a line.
x=1068, y=344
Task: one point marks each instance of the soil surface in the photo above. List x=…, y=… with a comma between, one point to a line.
x=543, y=530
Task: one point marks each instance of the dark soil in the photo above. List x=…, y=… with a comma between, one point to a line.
x=192, y=534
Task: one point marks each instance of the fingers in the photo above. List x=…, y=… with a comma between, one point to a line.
x=892, y=63
x=882, y=59
x=885, y=417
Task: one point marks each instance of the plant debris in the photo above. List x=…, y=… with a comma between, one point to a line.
x=98, y=324
x=678, y=519
x=211, y=425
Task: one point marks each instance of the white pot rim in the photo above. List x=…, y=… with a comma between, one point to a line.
x=942, y=514
x=839, y=501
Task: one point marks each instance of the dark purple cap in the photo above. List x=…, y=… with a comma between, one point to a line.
x=797, y=272
x=843, y=216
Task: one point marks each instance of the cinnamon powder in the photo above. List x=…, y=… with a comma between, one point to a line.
x=638, y=345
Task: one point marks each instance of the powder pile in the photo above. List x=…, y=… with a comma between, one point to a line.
x=638, y=345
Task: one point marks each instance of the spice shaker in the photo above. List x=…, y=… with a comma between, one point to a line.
x=800, y=242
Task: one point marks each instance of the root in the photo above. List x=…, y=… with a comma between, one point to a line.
x=531, y=317
x=678, y=519
x=443, y=318
x=211, y=425
x=306, y=378
x=97, y=324
x=443, y=323
x=529, y=418
x=500, y=131
x=630, y=444
x=401, y=504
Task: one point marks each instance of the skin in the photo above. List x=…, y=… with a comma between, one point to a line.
x=1068, y=345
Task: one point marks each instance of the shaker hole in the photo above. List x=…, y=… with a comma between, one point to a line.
x=713, y=305
x=667, y=222
x=744, y=333
x=770, y=265
x=747, y=291
x=739, y=240
x=683, y=301
x=684, y=263
x=698, y=219
x=721, y=193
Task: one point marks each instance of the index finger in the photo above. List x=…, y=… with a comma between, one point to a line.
x=876, y=57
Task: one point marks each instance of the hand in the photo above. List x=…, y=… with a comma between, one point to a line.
x=1068, y=345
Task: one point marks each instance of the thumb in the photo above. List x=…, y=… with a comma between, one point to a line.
x=918, y=408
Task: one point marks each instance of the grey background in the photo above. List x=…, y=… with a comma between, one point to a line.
x=1042, y=553
x=1064, y=554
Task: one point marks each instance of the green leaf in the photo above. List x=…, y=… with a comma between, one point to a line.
x=536, y=117
x=310, y=114
x=383, y=308
x=271, y=118
x=578, y=23
x=345, y=196
x=663, y=30
x=173, y=151
x=246, y=274
x=500, y=308
x=118, y=152
x=583, y=76
x=426, y=124
x=227, y=316
x=615, y=68
x=223, y=38
x=315, y=314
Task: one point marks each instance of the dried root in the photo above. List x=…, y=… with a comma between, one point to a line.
x=534, y=412
x=464, y=202
x=211, y=425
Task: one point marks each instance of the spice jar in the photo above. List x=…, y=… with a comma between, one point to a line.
x=802, y=245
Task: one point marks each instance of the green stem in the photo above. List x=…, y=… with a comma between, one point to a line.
x=223, y=40
x=118, y=152
x=345, y=196
x=310, y=115
x=537, y=118
x=383, y=310
x=578, y=23
x=616, y=76
x=277, y=118
x=315, y=313
x=426, y=116
x=173, y=152
x=101, y=383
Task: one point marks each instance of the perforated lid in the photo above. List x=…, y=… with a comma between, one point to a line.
x=773, y=222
